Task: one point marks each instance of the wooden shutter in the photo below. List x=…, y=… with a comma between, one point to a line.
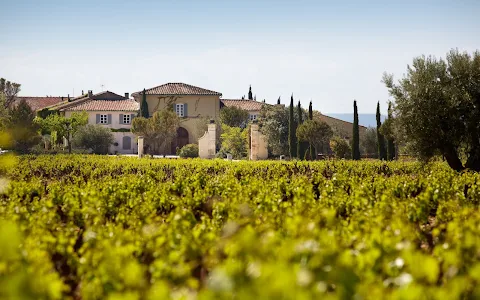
x=120, y=121
x=131, y=118
x=185, y=110
x=109, y=119
x=174, y=107
x=97, y=118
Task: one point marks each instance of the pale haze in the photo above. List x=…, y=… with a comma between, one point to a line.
x=330, y=53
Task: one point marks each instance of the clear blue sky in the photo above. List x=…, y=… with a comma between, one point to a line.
x=329, y=51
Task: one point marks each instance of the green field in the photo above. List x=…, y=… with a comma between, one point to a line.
x=89, y=227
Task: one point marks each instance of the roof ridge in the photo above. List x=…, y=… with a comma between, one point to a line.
x=69, y=103
x=195, y=90
x=341, y=120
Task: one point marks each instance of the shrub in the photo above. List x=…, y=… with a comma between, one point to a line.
x=94, y=137
x=190, y=150
x=340, y=147
x=233, y=141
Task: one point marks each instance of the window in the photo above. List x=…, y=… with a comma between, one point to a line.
x=179, y=109
x=103, y=119
x=126, y=119
x=253, y=117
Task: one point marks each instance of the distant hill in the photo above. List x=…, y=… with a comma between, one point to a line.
x=368, y=120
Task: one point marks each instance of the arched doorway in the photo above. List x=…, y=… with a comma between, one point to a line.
x=180, y=140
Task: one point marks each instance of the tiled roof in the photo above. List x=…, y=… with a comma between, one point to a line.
x=38, y=103
x=342, y=128
x=178, y=89
x=107, y=95
x=249, y=105
x=102, y=105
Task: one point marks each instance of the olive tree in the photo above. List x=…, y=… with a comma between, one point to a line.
x=63, y=126
x=314, y=132
x=94, y=137
x=437, y=108
x=159, y=130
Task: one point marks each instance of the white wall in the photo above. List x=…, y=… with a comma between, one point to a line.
x=115, y=124
x=119, y=139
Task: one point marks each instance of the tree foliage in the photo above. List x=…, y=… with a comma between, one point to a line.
x=275, y=126
x=20, y=125
x=94, y=137
x=3, y=112
x=189, y=151
x=301, y=144
x=158, y=131
x=355, y=134
x=9, y=90
x=369, y=142
x=63, y=126
x=233, y=141
x=380, y=138
x=292, y=129
x=310, y=117
x=340, y=147
x=387, y=130
x=314, y=132
x=234, y=117
x=437, y=108
x=250, y=95
x=144, y=106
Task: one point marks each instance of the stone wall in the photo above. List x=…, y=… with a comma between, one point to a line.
x=258, y=149
x=207, y=143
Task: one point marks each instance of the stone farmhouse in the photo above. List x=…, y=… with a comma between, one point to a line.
x=191, y=103
x=109, y=110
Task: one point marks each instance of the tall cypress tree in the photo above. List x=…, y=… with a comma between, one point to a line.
x=310, y=111
x=310, y=117
x=380, y=138
x=292, y=131
x=250, y=95
x=278, y=101
x=300, y=151
x=144, y=106
x=390, y=141
x=355, y=134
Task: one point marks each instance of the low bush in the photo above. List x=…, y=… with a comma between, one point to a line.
x=190, y=150
x=95, y=138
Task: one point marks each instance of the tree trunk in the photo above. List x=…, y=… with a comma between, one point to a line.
x=473, y=161
x=452, y=159
x=69, y=146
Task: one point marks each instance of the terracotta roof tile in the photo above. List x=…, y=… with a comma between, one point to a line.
x=102, y=105
x=249, y=105
x=38, y=103
x=177, y=89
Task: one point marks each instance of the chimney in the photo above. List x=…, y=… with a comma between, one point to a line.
x=127, y=96
x=90, y=93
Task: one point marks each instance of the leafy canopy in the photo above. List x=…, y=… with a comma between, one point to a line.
x=314, y=132
x=437, y=108
x=233, y=116
x=233, y=141
x=63, y=126
x=94, y=137
x=158, y=131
